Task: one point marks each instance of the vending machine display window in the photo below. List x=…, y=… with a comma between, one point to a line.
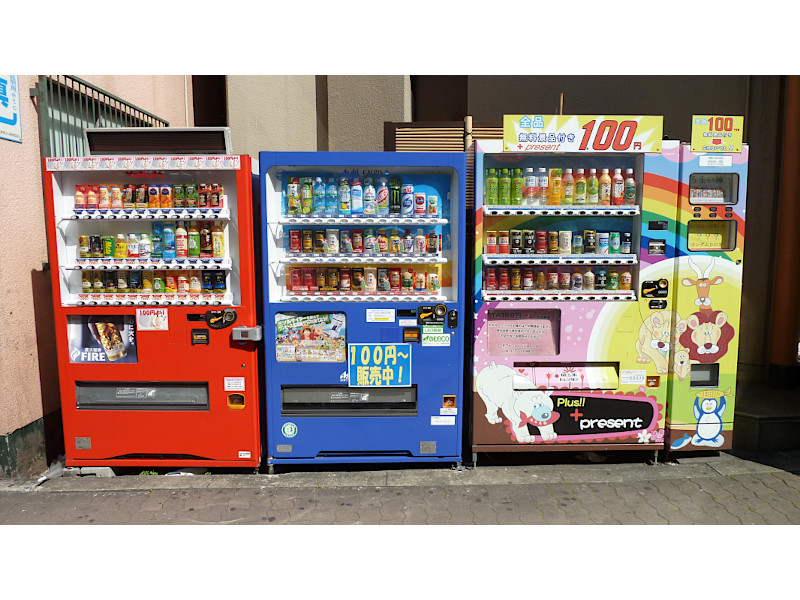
x=713, y=188
x=702, y=235
x=342, y=401
x=704, y=376
x=523, y=332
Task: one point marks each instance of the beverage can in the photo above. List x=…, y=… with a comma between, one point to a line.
x=577, y=281
x=183, y=282
x=420, y=204
x=541, y=241
x=433, y=205
x=590, y=241
x=357, y=279
x=294, y=241
x=625, y=280
x=420, y=281
x=395, y=279
x=529, y=241
x=614, y=242
x=344, y=279
x=491, y=279
x=178, y=195
x=122, y=282
x=369, y=240
x=104, y=198
x=333, y=278
x=626, y=243
x=332, y=241
x=110, y=282
x=319, y=241
x=552, y=279
x=147, y=282
x=600, y=280
x=383, y=280
x=370, y=279
x=166, y=196
x=577, y=243
x=84, y=249
x=515, y=236
x=116, y=197
x=135, y=282
x=434, y=285
x=491, y=242
x=540, y=281
x=407, y=199
x=96, y=246
x=527, y=279
x=564, y=242
x=613, y=280
x=564, y=280
x=382, y=242
x=503, y=242
x=220, y=284
x=552, y=242
x=357, y=238
x=207, y=283
x=602, y=242
x=395, y=196
x=195, y=282
x=502, y=278
x=516, y=278
x=407, y=282
x=345, y=242
x=86, y=281
x=308, y=241
x=320, y=277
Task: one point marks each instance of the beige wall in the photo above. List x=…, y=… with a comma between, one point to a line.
x=358, y=105
x=28, y=386
x=272, y=112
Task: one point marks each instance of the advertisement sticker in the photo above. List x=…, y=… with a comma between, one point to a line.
x=10, y=116
x=380, y=365
x=102, y=339
x=717, y=133
x=152, y=319
x=318, y=337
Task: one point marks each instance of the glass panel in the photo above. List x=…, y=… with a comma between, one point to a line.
x=711, y=235
x=713, y=188
x=524, y=332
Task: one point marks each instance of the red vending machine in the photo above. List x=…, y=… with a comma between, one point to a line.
x=155, y=309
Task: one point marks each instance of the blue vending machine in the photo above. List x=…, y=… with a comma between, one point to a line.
x=364, y=306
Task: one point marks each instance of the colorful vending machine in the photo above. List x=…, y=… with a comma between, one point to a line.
x=364, y=306
x=707, y=290
x=154, y=300
x=575, y=232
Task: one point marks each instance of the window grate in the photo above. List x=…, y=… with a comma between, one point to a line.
x=68, y=105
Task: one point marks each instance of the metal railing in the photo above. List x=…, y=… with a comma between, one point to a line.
x=68, y=105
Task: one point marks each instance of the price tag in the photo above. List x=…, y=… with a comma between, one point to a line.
x=582, y=133
x=379, y=365
x=717, y=133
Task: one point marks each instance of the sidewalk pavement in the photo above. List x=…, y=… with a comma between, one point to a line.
x=713, y=488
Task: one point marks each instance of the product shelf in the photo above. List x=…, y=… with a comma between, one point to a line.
x=557, y=295
x=318, y=258
x=571, y=210
x=361, y=297
x=382, y=220
x=151, y=299
x=202, y=264
x=175, y=214
x=559, y=259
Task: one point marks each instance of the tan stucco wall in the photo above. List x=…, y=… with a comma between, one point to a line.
x=272, y=112
x=358, y=106
x=25, y=295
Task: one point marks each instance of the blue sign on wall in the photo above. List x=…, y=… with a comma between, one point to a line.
x=10, y=117
x=379, y=365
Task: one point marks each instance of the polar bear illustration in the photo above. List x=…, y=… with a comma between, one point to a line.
x=501, y=388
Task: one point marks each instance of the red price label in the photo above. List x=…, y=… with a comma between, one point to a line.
x=608, y=134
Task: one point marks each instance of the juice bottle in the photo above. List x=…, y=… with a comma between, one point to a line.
x=420, y=242
x=543, y=183
x=630, y=187
x=218, y=240
x=395, y=243
x=567, y=187
x=491, y=187
x=605, y=188
x=206, y=246
x=529, y=188
x=306, y=196
x=588, y=279
x=516, y=187
x=133, y=245
x=592, y=188
x=580, y=187
x=181, y=241
x=554, y=196
x=617, y=188
x=193, y=240
x=504, y=194
x=120, y=246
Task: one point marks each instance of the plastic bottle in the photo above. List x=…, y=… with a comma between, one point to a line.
x=491, y=187
x=580, y=187
x=630, y=188
x=529, y=188
x=395, y=243
x=356, y=198
x=588, y=279
x=145, y=247
x=516, y=187
x=133, y=245
x=206, y=247
x=604, y=188
x=218, y=240
x=120, y=246
x=181, y=241
x=592, y=188
x=306, y=196
x=568, y=187
x=319, y=196
x=420, y=242
x=617, y=188
x=600, y=279
x=344, y=197
x=169, y=241
x=293, y=196
x=577, y=279
x=370, y=204
x=382, y=197
x=543, y=183
x=504, y=188
x=194, y=240
x=157, y=245
x=554, y=192
x=408, y=242
x=331, y=198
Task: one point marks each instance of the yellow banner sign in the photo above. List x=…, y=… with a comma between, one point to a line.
x=582, y=133
x=717, y=133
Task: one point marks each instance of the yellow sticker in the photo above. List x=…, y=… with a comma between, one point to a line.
x=717, y=133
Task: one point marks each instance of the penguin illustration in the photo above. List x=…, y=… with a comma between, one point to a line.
x=708, y=410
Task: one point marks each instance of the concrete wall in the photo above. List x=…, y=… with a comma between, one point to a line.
x=272, y=112
x=29, y=385
x=358, y=105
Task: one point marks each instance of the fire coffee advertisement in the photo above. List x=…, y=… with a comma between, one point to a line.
x=102, y=339
x=317, y=337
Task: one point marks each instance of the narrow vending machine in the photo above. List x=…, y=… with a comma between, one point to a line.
x=364, y=306
x=574, y=316
x=707, y=289
x=154, y=300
